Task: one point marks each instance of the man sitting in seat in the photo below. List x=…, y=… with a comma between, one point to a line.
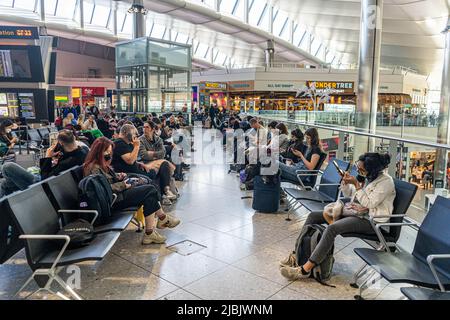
x=66, y=153
x=152, y=152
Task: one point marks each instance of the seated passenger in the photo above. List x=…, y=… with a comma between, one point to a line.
x=279, y=138
x=66, y=153
x=312, y=160
x=296, y=143
x=372, y=195
x=98, y=161
x=152, y=152
x=90, y=123
x=6, y=136
x=15, y=178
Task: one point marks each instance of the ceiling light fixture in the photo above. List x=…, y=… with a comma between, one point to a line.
x=136, y=8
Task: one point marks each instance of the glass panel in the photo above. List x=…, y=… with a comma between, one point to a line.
x=158, y=31
x=255, y=13
x=239, y=13
x=131, y=54
x=202, y=51
x=6, y=3
x=128, y=26
x=65, y=8
x=182, y=38
x=167, y=54
x=88, y=8
x=101, y=15
x=24, y=4
x=227, y=6
x=280, y=21
x=50, y=6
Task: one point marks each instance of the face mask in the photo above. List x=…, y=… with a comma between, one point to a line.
x=361, y=178
x=107, y=157
x=8, y=130
x=158, y=132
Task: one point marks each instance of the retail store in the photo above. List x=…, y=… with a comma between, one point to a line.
x=214, y=92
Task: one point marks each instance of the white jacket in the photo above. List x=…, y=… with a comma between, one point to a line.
x=378, y=196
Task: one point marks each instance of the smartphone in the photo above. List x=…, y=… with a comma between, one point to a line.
x=341, y=172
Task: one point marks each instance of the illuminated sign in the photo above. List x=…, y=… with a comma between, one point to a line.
x=333, y=86
x=61, y=98
x=76, y=92
x=215, y=85
x=15, y=32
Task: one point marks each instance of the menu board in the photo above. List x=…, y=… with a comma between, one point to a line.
x=26, y=102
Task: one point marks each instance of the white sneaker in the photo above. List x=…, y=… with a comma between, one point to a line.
x=170, y=195
x=293, y=274
x=153, y=237
x=166, y=201
x=169, y=222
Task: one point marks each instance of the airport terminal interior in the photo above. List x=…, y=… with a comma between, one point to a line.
x=224, y=150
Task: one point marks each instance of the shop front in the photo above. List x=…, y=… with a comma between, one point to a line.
x=89, y=96
x=213, y=93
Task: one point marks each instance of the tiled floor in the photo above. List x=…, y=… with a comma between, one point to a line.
x=240, y=260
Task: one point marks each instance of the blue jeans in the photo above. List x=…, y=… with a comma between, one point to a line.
x=15, y=178
x=288, y=172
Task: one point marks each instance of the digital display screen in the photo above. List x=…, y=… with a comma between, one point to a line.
x=21, y=64
x=18, y=32
x=3, y=99
x=14, y=64
x=27, y=108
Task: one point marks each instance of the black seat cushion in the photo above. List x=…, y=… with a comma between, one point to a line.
x=313, y=206
x=96, y=250
x=308, y=195
x=424, y=294
x=402, y=267
x=118, y=222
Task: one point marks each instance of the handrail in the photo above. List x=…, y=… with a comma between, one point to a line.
x=366, y=134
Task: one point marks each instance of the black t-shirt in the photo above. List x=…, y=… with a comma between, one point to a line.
x=315, y=150
x=121, y=148
x=67, y=161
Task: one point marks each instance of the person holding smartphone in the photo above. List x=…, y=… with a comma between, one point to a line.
x=371, y=194
x=126, y=152
x=311, y=160
x=99, y=161
x=62, y=155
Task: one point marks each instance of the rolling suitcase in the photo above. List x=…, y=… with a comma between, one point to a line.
x=266, y=194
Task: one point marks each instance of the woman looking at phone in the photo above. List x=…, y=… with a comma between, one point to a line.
x=372, y=195
x=312, y=160
x=129, y=195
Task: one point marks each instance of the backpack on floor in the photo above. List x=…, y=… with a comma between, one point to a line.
x=96, y=194
x=305, y=245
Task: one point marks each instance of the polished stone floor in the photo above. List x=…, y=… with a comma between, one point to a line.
x=235, y=254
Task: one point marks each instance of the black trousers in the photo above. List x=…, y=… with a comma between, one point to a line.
x=164, y=176
x=145, y=195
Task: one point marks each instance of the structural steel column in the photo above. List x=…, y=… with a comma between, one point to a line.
x=81, y=12
x=42, y=10
x=443, y=135
x=369, y=69
x=114, y=16
x=138, y=19
x=246, y=11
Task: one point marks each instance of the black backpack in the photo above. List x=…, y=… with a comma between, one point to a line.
x=306, y=243
x=96, y=194
x=81, y=233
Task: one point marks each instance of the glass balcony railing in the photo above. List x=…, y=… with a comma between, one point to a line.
x=412, y=160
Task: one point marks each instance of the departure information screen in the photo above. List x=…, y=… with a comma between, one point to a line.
x=18, y=32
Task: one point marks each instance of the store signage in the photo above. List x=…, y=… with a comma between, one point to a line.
x=241, y=86
x=214, y=86
x=288, y=86
x=93, y=92
x=330, y=107
x=19, y=32
x=76, y=92
x=333, y=86
x=61, y=98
